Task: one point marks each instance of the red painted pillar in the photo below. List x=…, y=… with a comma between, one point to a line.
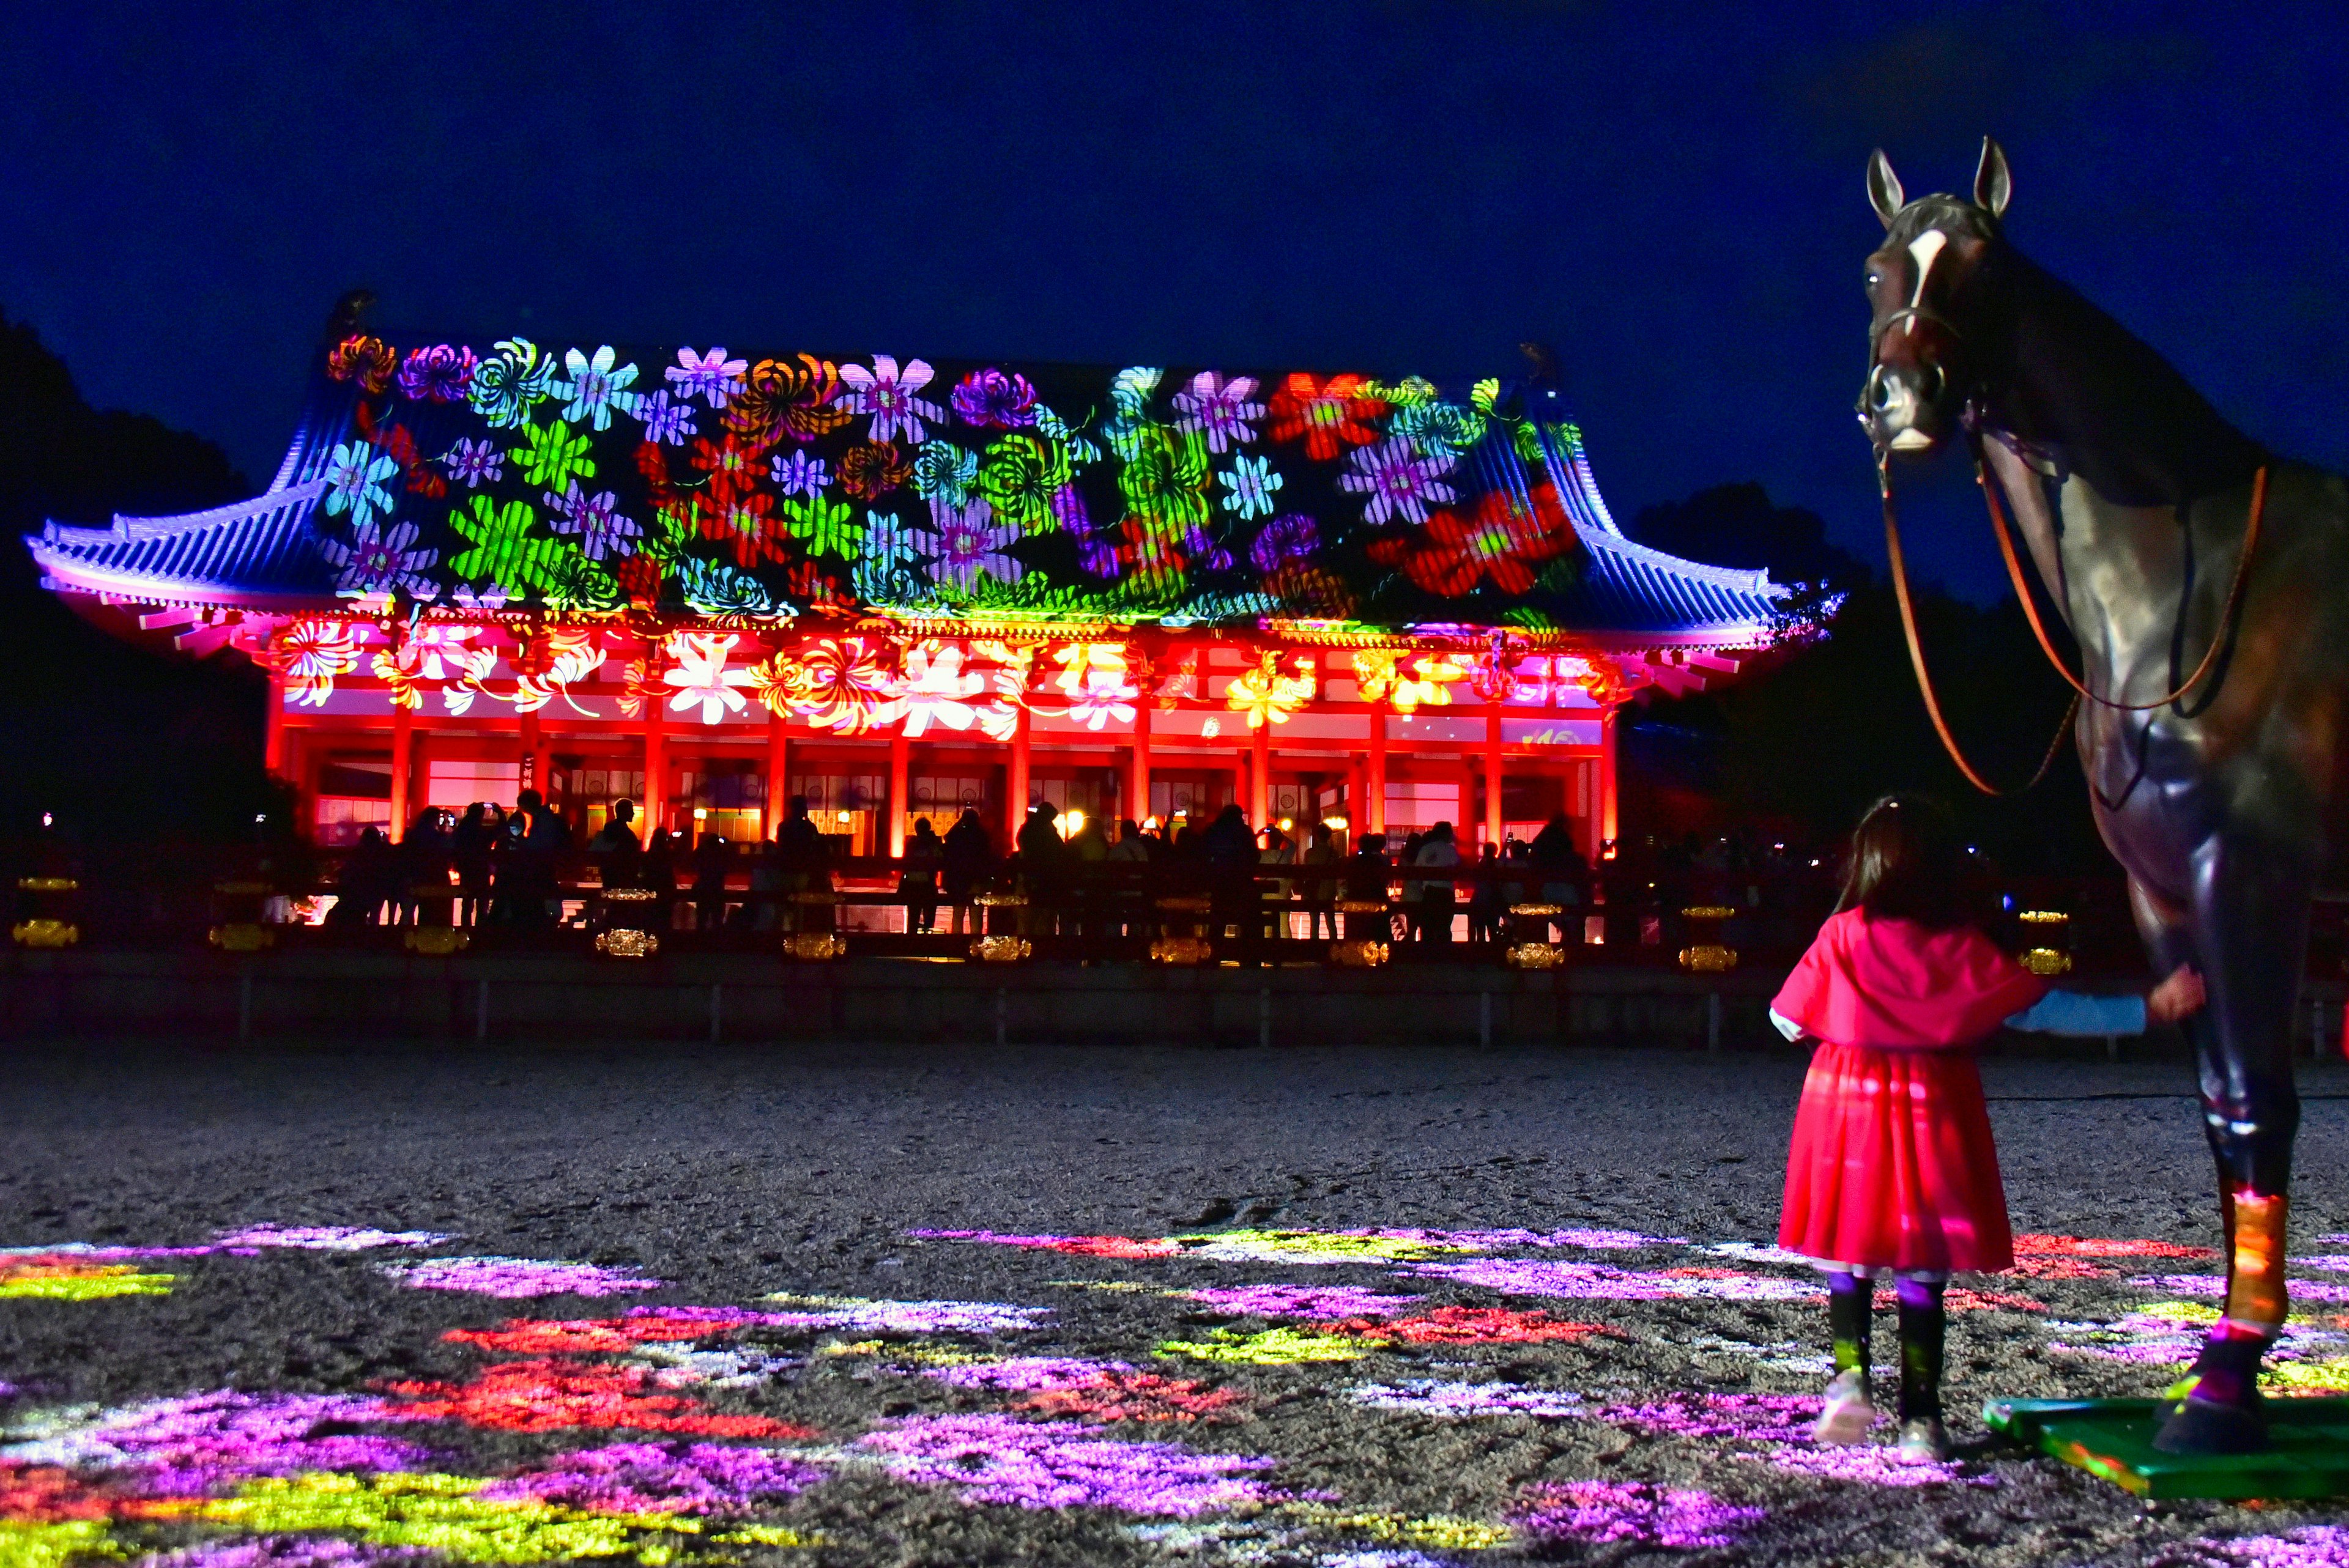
x=1492, y=774
x=901, y=756
x=403, y=762
x=1015, y=783
x=1137, y=781
x=656, y=763
x=778, y=774
x=273, y=745
x=1260, y=777
x=1374, y=798
x=1607, y=833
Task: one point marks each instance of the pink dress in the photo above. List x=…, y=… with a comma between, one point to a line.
x=1893, y=1165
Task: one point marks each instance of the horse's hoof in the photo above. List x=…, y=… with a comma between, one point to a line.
x=2207, y=1427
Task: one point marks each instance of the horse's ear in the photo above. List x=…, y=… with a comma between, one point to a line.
x=1993, y=184
x=1884, y=188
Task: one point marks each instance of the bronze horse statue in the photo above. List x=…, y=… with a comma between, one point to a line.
x=2207, y=585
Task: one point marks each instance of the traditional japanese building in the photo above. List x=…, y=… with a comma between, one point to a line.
x=708, y=580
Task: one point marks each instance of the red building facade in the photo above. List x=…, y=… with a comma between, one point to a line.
x=706, y=581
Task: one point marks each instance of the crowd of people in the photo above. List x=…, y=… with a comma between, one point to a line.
x=1098, y=877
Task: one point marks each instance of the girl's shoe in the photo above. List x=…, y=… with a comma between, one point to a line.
x=1924, y=1442
x=1849, y=1412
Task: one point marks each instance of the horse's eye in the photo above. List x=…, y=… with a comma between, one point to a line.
x=1873, y=279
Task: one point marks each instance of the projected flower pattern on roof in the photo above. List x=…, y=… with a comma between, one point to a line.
x=594, y=478
x=673, y=1433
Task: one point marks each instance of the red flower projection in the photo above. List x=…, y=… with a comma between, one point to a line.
x=1504, y=542
x=744, y=521
x=1136, y=1397
x=541, y=1335
x=395, y=442
x=2039, y=1257
x=1327, y=416
x=551, y=1395
x=732, y=463
x=1472, y=1326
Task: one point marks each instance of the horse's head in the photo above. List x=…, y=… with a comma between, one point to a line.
x=1925, y=289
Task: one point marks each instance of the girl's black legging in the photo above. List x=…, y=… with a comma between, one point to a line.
x=1851, y=1303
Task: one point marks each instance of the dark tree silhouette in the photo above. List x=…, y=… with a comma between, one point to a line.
x=1806, y=735
x=120, y=739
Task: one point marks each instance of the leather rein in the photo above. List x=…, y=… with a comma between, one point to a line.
x=1988, y=482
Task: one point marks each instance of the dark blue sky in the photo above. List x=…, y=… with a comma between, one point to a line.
x=1675, y=203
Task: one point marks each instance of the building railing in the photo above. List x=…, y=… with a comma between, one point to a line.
x=1182, y=911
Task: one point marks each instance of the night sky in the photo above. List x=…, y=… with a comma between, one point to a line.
x=1675, y=203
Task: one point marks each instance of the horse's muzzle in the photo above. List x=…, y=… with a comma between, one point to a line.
x=1900, y=408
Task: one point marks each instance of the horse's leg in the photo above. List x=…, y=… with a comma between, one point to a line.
x=2246, y=931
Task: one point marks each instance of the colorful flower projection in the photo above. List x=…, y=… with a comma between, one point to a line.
x=597, y=479
x=512, y=1277
x=605, y=1443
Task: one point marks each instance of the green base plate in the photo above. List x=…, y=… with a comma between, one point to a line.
x=2308, y=1456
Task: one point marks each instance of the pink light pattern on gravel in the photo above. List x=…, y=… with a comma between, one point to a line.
x=511, y=1278
x=1317, y=1302
x=1866, y=1466
x=86, y=1252
x=2215, y=1284
x=1596, y=1282
x=286, y=1552
x=656, y=1477
x=1590, y=1238
x=207, y=1443
x=1023, y=1373
x=1734, y=1417
x=329, y=1238
x=2309, y=1546
x=1634, y=1512
x=857, y=1314
x=1060, y=1464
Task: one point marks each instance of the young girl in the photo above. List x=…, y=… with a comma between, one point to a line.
x=1892, y=1169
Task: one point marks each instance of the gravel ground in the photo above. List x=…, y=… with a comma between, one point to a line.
x=1600, y=1382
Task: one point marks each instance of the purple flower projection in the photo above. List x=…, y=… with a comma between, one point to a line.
x=1028, y=1372
x=1317, y=1302
x=1464, y=1401
x=1293, y=536
x=1866, y=1467
x=907, y=1317
x=1060, y=1464
x=474, y=463
x=666, y=423
x=511, y=1278
x=329, y=1238
x=1596, y=1282
x=718, y=1317
x=989, y=396
x=2215, y=1284
x=207, y=1443
x=439, y=374
x=1634, y=1512
x=660, y=1477
x=2309, y=1546
x=1737, y=1418
x=287, y=1552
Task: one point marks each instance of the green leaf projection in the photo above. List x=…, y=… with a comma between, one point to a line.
x=702, y=482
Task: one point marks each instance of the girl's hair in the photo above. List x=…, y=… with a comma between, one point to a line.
x=1907, y=864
